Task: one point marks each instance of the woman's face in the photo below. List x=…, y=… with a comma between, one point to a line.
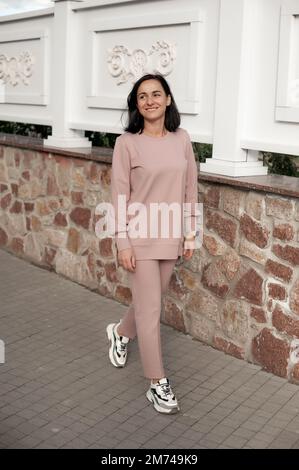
x=152, y=100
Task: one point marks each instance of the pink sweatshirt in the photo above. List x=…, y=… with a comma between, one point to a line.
x=153, y=170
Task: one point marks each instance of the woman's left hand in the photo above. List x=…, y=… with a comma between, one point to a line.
x=187, y=253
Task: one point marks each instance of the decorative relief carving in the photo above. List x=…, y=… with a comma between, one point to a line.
x=16, y=69
x=163, y=56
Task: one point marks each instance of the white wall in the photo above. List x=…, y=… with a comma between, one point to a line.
x=264, y=128
x=229, y=64
x=189, y=26
x=25, y=87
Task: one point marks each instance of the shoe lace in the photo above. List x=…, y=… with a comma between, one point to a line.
x=122, y=346
x=166, y=390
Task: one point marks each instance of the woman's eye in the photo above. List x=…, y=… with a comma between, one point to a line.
x=156, y=95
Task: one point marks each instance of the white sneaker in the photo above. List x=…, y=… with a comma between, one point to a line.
x=118, y=346
x=162, y=397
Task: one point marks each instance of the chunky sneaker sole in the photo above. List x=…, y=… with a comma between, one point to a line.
x=161, y=407
x=117, y=358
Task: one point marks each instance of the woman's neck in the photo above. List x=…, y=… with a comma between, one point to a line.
x=154, y=132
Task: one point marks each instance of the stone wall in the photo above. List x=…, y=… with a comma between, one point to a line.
x=244, y=282
x=239, y=292
x=47, y=216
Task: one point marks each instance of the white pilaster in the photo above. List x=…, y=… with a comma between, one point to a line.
x=236, y=30
x=62, y=91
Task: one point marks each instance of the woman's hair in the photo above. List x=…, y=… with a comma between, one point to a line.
x=136, y=120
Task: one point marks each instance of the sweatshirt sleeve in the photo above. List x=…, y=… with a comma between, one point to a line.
x=191, y=191
x=120, y=185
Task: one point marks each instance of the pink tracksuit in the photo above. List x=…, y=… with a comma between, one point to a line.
x=149, y=170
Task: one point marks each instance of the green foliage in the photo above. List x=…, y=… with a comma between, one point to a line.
x=277, y=163
x=101, y=139
x=280, y=164
x=202, y=151
x=30, y=130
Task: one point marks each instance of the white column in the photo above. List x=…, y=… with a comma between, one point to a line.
x=62, y=92
x=236, y=29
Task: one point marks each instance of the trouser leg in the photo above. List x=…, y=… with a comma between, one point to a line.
x=128, y=325
x=148, y=282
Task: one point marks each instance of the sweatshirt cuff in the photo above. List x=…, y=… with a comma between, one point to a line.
x=122, y=243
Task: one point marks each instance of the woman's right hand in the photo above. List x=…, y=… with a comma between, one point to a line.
x=127, y=260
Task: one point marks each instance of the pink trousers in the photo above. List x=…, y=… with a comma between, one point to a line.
x=149, y=281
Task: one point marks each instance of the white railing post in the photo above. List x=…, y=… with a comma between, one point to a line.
x=236, y=29
x=62, y=92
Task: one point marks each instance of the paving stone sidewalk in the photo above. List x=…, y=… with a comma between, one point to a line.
x=59, y=390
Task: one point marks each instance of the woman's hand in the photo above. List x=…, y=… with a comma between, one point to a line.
x=187, y=254
x=127, y=260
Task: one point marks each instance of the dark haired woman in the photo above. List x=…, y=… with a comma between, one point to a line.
x=153, y=163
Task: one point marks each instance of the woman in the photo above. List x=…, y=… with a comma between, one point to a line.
x=153, y=163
